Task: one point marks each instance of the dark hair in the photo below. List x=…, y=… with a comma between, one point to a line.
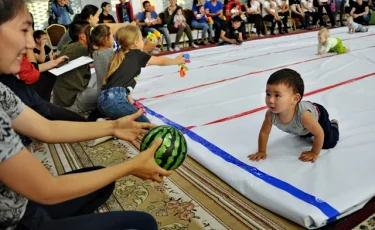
x=76, y=28
x=234, y=5
x=38, y=33
x=97, y=36
x=237, y=18
x=104, y=4
x=199, y=7
x=10, y=9
x=144, y=3
x=290, y=78
x=86, y=12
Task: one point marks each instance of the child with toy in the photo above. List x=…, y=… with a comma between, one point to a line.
x=115, y=99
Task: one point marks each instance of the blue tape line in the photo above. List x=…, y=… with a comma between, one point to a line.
x=327, y=209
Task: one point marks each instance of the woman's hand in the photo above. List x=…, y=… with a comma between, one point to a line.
x=145, y=167
x=126, y=128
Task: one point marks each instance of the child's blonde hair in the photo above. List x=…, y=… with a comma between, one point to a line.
x=325, y=32
x=126, y=37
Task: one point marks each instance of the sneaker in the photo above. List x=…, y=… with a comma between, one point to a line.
x=170, y=49
x=194, y=45
x=335, y=123
x=177, y=48
x=155, y=52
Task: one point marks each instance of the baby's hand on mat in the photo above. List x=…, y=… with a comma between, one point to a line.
x=308, y=156
x=257, y=156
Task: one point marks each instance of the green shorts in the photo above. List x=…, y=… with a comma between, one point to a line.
x=339, y=48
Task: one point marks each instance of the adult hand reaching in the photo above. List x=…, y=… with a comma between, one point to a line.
x=126, y=128
x=145, y=167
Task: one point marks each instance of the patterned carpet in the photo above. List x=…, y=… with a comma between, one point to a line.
x=191, y=199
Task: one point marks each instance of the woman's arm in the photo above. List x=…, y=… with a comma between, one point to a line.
x=33, y=125
x=25, y=175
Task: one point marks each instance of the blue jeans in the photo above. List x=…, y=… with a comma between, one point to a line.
x=204, y=26
x=114, y=104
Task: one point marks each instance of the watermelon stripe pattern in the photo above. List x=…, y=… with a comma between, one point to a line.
x=172, y=152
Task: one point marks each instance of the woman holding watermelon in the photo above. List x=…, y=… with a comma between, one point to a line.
x=30, y=198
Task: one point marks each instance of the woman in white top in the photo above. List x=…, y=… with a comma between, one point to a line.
x=272, y=17
x=309, y=10
x=283, y=9
x=254, y=16
x=297, y=12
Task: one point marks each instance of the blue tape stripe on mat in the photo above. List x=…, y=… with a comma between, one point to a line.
x=327, y=209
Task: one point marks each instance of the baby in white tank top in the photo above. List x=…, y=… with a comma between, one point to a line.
x=287, y=112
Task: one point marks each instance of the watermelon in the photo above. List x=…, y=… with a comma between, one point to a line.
x=172, y=150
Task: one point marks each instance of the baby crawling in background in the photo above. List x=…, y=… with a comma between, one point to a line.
x=329, y=44
x=290, y=114
x=355, y=27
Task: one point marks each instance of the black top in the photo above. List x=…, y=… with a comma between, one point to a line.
x=359, y=8
x=106, y=18
x=226, y=25
x=47, y=50
x=130, y=68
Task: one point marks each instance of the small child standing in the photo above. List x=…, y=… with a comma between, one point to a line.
x=287, y=112
x=328, y=44
x=115, y=100
x=355, y=27
x=179, y=19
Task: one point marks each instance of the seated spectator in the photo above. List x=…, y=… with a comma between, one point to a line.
x=43, y=53
x=124, y=11
x=309, y=11
x=231, y=31
x=214, y=9
x=157, y=24
x=200, y=21
x=283, y=11
x=297, y=12
x=360, y=12
x=71, y=89
x=62, y=9
x=254, y=16
x=272, y=17
x=89, y=13
x=169, y=14
x=233, y=8
x=105, y=17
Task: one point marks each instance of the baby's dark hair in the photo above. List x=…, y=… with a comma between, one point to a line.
x=234, y=5
x=290, y=78
x=199, y=7
x=38, y=34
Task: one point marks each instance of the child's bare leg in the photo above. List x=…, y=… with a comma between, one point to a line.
x=130, y=98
